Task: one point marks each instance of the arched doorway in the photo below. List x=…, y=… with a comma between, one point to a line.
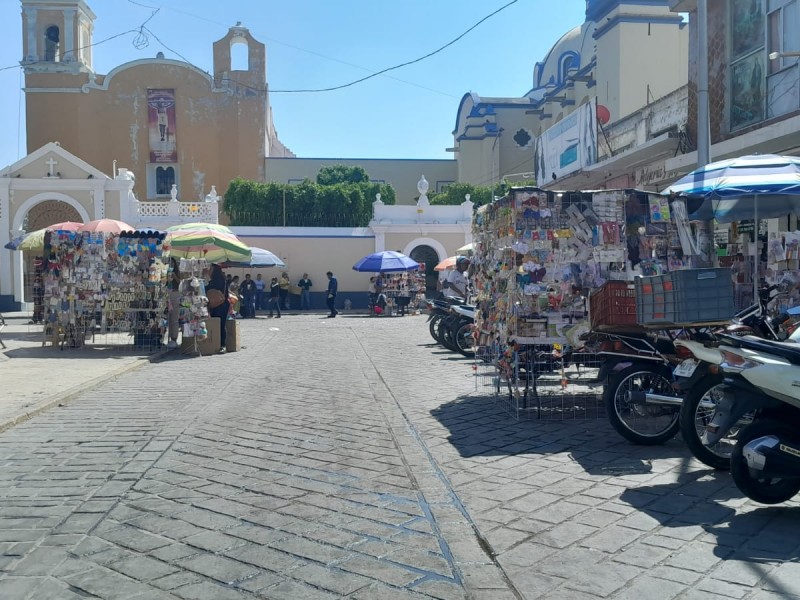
x=429, y=256
x=40, y=216
x=49, y=212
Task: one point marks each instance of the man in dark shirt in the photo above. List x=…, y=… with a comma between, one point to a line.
x=248, y=293
x=333, y=288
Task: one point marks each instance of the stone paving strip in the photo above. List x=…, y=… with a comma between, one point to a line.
x=352, y=458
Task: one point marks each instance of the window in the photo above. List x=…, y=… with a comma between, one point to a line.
x=165, y=177
x=783, y=93
x=160, y=177
x=748, y=71
x=51, y=43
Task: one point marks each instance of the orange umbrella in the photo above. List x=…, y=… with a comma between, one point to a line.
x=447, y=263
x=106, y=226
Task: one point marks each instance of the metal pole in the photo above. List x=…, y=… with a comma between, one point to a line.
x=703, y=125
x=757, y=255
x=284, y=207
x=703, y=122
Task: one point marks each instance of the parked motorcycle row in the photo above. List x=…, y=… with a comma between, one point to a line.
x=733, y=392
x=450, y=323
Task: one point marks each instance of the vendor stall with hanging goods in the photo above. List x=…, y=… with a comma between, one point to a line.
x=104, y=288
x=539, y=255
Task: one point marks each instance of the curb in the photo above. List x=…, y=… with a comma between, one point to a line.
x=73, y=392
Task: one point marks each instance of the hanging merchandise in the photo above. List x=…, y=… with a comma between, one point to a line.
x=101, y=283
x=193, y=301
x=399, y=290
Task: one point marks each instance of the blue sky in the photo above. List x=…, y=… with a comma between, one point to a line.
x=408, y=113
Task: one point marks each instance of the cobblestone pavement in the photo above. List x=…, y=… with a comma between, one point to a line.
x=351, y=458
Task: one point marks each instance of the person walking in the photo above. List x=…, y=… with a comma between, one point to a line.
x=285, y=285
x=248, y=292
x=274, y=301
x=260, y=285
x=333, y=289
x=218, y=282
x=305, y=295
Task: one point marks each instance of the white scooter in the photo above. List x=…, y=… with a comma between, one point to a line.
x=762, y=377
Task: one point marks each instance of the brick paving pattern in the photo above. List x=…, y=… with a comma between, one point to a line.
x=351, y=458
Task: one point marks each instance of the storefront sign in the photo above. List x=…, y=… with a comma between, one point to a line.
x=653, y=174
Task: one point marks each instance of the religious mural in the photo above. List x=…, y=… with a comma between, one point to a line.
x=161, y=126
x=748, y=71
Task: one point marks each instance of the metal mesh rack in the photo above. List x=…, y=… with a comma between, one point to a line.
x=533, y=389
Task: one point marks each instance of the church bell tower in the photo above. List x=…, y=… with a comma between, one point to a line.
x=57, y=36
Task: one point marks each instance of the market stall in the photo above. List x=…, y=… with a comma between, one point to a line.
x=104, y=287
x=538, y=257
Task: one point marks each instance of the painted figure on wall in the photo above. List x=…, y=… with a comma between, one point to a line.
x=161, y=126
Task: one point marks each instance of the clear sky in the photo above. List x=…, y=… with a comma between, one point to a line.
x=407, y=113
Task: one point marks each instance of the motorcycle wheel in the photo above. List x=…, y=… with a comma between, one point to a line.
x=433, y=324
x=753, y=484
x=448, y=334
x=637, y=422
x=441, y=326
x=696, y=414
x=464, y=340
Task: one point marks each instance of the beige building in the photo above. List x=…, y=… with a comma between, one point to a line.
x=167, y=121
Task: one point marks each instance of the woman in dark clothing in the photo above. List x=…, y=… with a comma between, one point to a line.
x=274, y=297
x=218, y=282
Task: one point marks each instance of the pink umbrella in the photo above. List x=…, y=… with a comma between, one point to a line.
x=106, y=226
x=65, y=226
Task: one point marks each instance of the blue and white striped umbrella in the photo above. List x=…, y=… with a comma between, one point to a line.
x=762, y=186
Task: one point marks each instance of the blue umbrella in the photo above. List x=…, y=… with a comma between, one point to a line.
x=385, y=261
x=748, y=187
x=259, y=258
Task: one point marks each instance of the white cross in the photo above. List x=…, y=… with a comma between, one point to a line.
x=52, y=164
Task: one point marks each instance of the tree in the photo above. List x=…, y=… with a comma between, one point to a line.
x=341, y=174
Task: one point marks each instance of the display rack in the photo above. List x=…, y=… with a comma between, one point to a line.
x=193, y=314
x=401, y=289
x=105, y=289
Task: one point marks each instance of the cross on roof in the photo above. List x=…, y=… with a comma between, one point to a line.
x=52, y=164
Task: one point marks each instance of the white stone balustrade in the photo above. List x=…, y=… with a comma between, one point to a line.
x=160, y=215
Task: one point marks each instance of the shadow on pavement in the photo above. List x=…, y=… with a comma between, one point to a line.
x=90, y=352
x=706, y=503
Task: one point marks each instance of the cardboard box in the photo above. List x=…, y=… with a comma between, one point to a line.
x=210, y=345
x=233, y=336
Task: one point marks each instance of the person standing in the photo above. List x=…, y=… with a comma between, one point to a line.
x=285, y=285
x=456, y=285
x=218, y=282
x=274, y=297
x=372, y=290
x=333, y=289
x=305, y=295
x=248, y=292
x=260, y=285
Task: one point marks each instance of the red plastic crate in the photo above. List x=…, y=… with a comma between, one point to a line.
x=613, y=305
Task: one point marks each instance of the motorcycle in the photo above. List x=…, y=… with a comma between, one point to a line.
x=438, y=310
x=765, y=463
x=633, y=364
x=699, y=383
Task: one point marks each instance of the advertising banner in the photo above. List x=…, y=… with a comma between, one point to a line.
x=568, y=146
x=161, y=129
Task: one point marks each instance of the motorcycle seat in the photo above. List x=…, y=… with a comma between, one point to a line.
x=787, y=350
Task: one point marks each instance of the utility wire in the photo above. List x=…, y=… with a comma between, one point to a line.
x=401, y=65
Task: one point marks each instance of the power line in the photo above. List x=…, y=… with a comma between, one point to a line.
x=401, y=65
